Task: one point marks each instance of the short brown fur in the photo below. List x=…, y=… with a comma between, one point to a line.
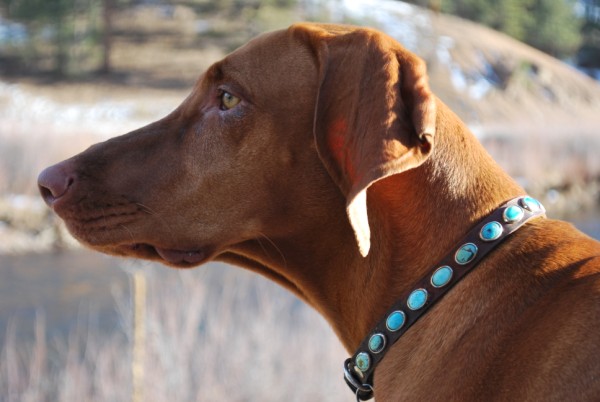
x=341, y=177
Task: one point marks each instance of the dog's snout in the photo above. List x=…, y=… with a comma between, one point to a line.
x=54, y=182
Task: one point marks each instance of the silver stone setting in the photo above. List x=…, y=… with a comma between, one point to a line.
x=513, y=214
x=377, y=342
x=417, y=299
x=395, y=320
x=442, y=276
x=491, y=231
x=466, y=253
x=363, y=361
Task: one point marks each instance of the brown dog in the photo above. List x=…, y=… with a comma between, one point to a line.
x=267, y=165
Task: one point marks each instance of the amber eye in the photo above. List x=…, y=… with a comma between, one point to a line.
x=228, y=101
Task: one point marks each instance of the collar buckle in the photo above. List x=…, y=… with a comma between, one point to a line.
x=363, y=392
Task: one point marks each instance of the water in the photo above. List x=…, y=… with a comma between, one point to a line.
x=65, y=287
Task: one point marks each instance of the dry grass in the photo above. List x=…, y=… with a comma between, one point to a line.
x=562, y=171
x=211, y=335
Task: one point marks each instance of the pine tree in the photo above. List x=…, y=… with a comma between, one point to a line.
x=549, y=25
x=555, y=28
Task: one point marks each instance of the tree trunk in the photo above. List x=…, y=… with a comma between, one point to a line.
x=107, y=13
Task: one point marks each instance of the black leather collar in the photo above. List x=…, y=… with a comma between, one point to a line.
x=483, y=238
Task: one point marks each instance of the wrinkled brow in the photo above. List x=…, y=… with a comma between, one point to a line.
x=225, y=69
x=215, y=72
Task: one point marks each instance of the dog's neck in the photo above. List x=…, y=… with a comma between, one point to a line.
x=415, y=218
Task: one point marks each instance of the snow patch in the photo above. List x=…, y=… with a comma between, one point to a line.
x=476, y=82
x=104, y=118
x=22, y=105
x=402, y=21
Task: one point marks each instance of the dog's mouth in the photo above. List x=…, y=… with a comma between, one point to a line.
x=114, y=228
x=107, y=231
x=173, y=257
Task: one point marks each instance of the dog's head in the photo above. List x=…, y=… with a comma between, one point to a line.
x=270, y=137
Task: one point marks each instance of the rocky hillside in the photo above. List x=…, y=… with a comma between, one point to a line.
x=487, y=77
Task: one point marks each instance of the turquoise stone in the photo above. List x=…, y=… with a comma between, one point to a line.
x=490, y=231
x=465, y=254
x=441, y=276
x=376, y=343
x=395, y=320
x=513, y=214
x=363, y=361
x=530, y=204
x=417, y=299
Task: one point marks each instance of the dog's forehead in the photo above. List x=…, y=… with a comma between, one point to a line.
x=269, y=43
x=268, y=57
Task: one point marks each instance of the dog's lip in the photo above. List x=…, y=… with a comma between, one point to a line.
x=177, y=257
x=183, y=258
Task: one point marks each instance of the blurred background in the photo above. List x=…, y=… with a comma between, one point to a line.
x=79, y=326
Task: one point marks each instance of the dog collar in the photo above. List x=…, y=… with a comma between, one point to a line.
x=483, y=238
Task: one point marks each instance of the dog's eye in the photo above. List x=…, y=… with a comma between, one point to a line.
x=228, y=101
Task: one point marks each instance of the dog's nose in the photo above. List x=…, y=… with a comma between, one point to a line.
x=54, y=182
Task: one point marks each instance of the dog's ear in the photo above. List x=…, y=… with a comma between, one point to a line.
x=375, y=115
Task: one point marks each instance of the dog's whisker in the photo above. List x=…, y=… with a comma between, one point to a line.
x=128, y=232
x=146, y=208
x=158, y=216
x=283, y=259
